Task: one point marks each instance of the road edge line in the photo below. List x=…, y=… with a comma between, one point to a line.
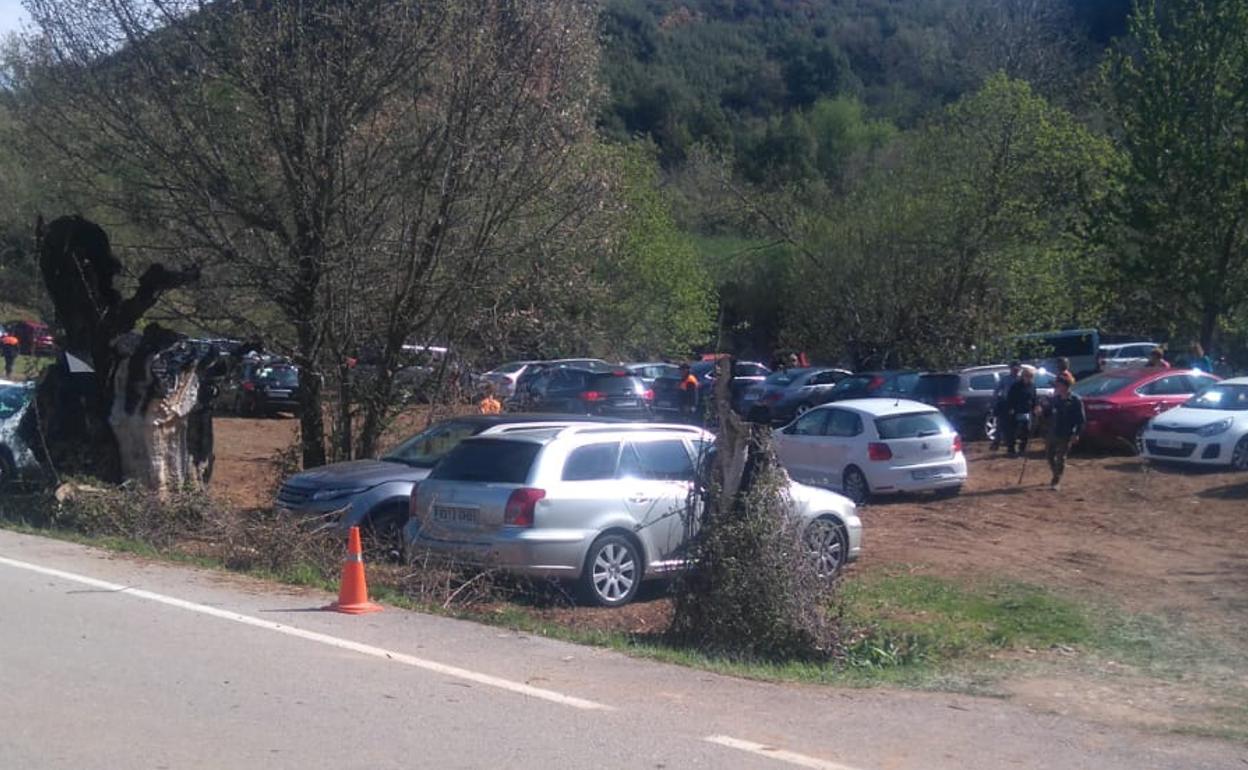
x=315, y=636
x=771, y=752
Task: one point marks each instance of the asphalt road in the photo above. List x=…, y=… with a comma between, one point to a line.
x=110, y=662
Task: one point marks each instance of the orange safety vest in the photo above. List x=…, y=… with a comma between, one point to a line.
x=9, y=340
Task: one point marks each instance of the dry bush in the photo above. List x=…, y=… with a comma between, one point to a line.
x=753, y=592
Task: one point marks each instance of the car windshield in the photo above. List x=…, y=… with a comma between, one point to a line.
x=12, y=399
x=1233, y=398
x=425, y=449
x=1101, y=385
x=912, y=425
x=494, y=461
x=286, y=376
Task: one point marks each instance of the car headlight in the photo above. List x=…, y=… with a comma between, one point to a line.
x=336, y=492
x=1214, y=428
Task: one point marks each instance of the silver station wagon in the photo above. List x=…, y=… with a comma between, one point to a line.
x=602, y=505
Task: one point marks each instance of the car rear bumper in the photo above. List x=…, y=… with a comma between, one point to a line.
x=551, y=554
x=918, y=478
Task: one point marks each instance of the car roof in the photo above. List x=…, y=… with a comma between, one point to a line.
x=597, y=428
x=986, y=368
x=882, y=407
x=491, y=420
x=1234, y=381
x=1121, y=345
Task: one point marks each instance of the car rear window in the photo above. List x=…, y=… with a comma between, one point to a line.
x=287, y=376
x=490, y=460
x=937, y=385
x=984, y=382
x=912, y=425
x=615, y=385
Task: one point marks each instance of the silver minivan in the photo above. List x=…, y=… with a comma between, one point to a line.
x=600, y=505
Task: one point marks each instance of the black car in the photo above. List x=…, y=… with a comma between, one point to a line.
x=966, y=397
x=262, y=388
x=580, y=391
x=787, y=393
x=892, y=383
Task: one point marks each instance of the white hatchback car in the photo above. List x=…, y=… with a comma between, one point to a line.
x=874, y=446
x=1211, y=428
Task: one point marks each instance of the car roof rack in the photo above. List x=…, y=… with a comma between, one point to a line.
x=589, y=428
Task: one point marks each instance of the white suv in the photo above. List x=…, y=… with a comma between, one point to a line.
x=604, y=505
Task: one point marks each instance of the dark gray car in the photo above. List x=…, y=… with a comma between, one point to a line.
x=374, y=493
x=790, y=392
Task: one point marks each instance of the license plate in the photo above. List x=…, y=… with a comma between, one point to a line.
x=929, y=473
x=1168, y=443
x=625, y=402
x=454, y=515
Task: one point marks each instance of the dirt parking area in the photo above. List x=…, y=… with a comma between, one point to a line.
x=1163, y=540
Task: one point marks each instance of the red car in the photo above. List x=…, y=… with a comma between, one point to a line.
x=1120, y=402
x=33, y=337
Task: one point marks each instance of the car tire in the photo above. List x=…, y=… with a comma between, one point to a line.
x=854, y=485
x=1239, y=455
x=827, y=546
x=383, y=531
x=8, y=469
x=613, y=570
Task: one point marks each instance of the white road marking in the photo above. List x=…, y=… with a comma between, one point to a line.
x=313, y=636
x=781, y=755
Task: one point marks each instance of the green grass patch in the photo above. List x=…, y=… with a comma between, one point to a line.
x=916, y=619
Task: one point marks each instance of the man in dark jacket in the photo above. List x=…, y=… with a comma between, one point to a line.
x=1020, y=402
x=1066, y=420
x=999, y=408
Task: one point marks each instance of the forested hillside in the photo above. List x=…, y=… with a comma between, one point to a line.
x=877, y=182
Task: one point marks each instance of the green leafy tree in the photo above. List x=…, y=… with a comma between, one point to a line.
x=970, y=230
x=1179, y=215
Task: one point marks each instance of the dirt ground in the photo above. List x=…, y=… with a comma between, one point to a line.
x=1167, y=541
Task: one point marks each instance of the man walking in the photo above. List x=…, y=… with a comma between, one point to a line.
x=1020, y=402
x=1066, y=418
x=1000, y=407
x=8, y=348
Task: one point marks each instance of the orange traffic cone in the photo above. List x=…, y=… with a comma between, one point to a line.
x=353, y=592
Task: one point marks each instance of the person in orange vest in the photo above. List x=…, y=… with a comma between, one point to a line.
x=688, y=394
x=8, y=347
x=490, y=404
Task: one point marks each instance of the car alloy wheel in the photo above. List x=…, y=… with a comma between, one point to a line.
x=990, y=427
x=826, y=546
x=612, y=571
x=855, y=486
x=1239, y=457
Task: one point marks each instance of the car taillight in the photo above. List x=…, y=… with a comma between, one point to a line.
x=520, y=506
x=648, y=395
x=879, y=451
x=951, y=401
x=591, y=395
x=411, y=501
x=249, y=386
x=957, y=443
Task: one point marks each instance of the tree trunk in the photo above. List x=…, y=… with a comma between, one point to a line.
x=116, y=405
